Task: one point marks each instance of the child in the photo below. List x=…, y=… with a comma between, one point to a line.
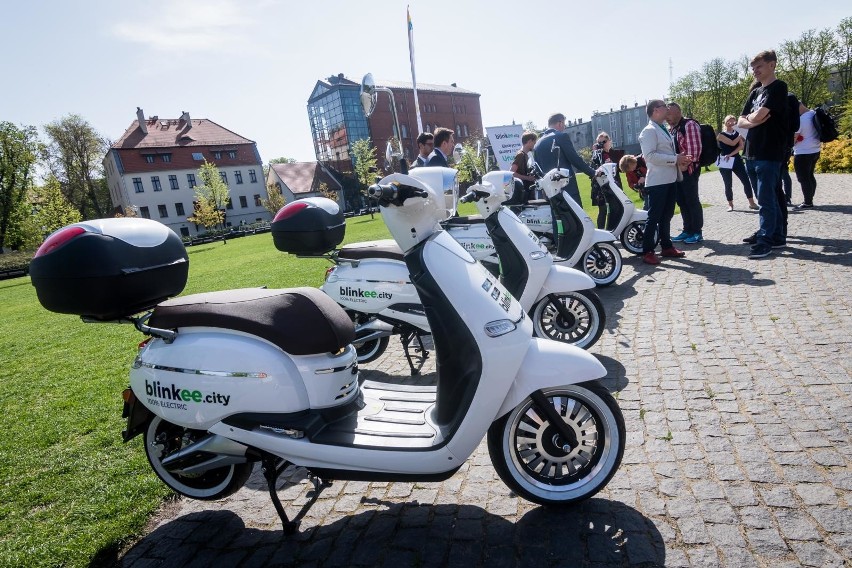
x=636, y=170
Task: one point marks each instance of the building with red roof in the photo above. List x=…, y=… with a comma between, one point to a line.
x=152, y=169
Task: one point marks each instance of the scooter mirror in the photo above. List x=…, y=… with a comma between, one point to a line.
x=389, y=153
x=368, y=94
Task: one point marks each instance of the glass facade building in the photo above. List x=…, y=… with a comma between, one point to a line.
x=337, y=121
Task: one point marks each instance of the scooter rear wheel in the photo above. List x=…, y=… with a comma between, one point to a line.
x=602, y=263
x=632, y=237
x=163, y=438
x=535, y=462
x=583, y=325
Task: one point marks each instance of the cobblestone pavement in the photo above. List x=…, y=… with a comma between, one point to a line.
x=734, y=379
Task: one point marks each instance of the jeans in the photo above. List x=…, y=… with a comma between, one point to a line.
x=690, y=206
x=728, y=177
x=661, y=199
x=805, y=164
x=764, y=175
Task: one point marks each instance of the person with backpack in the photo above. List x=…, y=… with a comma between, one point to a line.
x=730, y=145
x=764, y=116
x=805, y=155
x=687, y=138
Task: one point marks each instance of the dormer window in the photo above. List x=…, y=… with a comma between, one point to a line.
x=232, y=154
x=167, y=158
x=149, y=159
x=217, y=155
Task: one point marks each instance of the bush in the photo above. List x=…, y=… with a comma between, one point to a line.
x=15, y=261
x=836, y=157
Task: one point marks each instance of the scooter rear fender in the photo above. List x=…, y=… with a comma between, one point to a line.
x=549, y=364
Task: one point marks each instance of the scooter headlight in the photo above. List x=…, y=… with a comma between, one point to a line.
x=499, y=327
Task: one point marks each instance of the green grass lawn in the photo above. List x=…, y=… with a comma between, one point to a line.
x=70, y=491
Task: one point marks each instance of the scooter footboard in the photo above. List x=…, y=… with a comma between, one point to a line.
x=548, y=364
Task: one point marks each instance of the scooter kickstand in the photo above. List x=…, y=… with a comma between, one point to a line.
x=272, y=472
x=406, y=339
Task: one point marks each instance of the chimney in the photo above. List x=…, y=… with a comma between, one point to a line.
x=140, y=116
x=185, y=117
x=454, y=85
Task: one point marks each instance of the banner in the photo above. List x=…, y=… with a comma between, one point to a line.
x=505, y=143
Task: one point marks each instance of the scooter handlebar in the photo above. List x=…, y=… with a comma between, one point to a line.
x=473, y=195
x=394, y=193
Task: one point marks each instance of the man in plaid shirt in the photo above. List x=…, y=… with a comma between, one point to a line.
x=687, y=137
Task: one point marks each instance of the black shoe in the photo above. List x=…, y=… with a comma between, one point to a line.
x=760, y=251
x=804, y=206
x=751, y=240
x=779, y=244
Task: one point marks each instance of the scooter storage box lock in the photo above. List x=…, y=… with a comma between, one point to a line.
x=314, y=225
x=109, y=268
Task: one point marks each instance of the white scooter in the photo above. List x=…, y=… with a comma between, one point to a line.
x=230, y=378
x=631, y=221
x=575, y=239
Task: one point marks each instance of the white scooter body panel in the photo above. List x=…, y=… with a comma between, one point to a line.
x=538, y=259
x=561, y=279
x=388, y=285
x=479, y=299
x=545, y=366
x=207, y=374
x=537, y=217
x=474, y=238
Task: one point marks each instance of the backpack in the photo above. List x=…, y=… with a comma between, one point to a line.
x=824, y=125
x=709, y=144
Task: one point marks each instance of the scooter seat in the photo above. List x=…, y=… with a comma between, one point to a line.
x=386, y=248
x=301, y=321
x=537, y=202
x=468, y=220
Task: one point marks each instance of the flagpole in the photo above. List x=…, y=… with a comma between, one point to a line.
x=413, y=76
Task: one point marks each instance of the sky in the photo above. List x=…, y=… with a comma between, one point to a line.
x=250, y=65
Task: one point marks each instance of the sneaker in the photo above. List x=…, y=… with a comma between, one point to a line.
x=755, y=207
x=760, y=251
x=730, y=208
x=650, y=258
x=804, y=206
x=751, y=240
x=779, y=244
x=673, y=253
x=681, y=237
x=692, y=239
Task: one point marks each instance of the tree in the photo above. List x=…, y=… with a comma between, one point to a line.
x=281, y=160
x=716, y=81
x=211, y=197
x=327, y=192
x=804, y=64
x=275, y=200
x=75, y=153
x=842, y=56
x=19, y=151
x=364, y=155
x=470, y=165
x=52, y=211
x=529, y=126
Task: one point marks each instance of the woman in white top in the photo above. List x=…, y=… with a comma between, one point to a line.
x=730, y=145
x=805, y=155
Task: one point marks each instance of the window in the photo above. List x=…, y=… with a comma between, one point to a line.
x=252, y=176
x=243, y=201
x=137, y=185
x=224, y=176
x=155, y=181
x=404, y=128
x=149, y=159
x=179, y=209
x=257, y=200
x=238, y=175
x=459, y=130
x=163, y=211
x=184, y=232
x=217, y=155
x=144, y=212
x=198, y=156
x=167, y=158
x=173, y=183
x=190, y=179
x=230, y=205
x=232, y=154
x=466, y=131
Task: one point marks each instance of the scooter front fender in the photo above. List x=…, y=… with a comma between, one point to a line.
x=639, y=215
x=564, y=279
x=602, y=236
x=550, y=364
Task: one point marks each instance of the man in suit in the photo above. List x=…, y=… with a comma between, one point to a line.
x=425, y=145
x=555, y=149
x=664, y=171
x=444, y=142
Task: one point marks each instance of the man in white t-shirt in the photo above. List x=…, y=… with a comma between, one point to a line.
x=805, y=155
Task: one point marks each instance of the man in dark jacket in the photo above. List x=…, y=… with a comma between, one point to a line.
x=555, y=149
x=444, y=142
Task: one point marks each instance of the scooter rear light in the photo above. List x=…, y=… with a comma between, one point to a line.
x=58, y=239
x=289, y=210
x=328, y=272
x=144, y=342
x=499, y=327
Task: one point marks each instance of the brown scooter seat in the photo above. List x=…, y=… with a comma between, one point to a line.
x=386, y=248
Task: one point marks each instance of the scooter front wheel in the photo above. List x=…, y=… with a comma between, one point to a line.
x=533, y=459
x=163, y=439
x=579, y=320
x=632, y=237
x=602, y=263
